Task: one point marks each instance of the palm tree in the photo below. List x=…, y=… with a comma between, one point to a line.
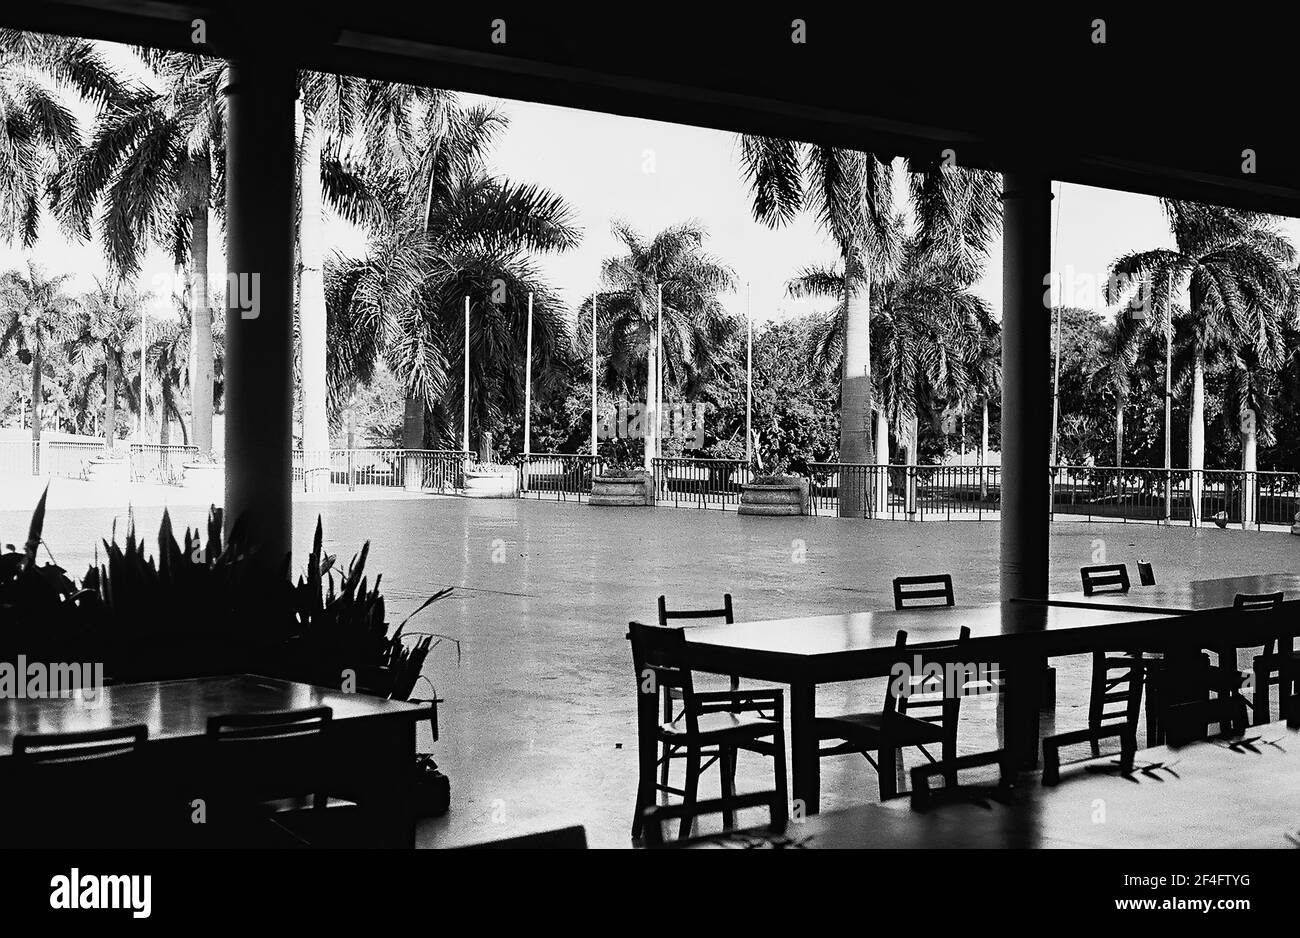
x=453, y=232
x=38, y=133
x=98, y=343
x=34, y=309
x=353, y=134
x=156, y=163
x=167, y=361
x=1237, y=269
x=695, y=325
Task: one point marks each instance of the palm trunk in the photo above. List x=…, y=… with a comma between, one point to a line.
x=110, y=400
x=1196, y=434
x=880, y=482
x=164, y=418
x=311, y=311
x=855, y=385
x=1119, y=433
x=412, y=424
x=485, y=446
x=201, y=374
x=1249, y=465
x=36, y=386
x=913, y=460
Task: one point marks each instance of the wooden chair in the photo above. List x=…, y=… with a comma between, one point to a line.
x=712, y=724
x=81, y=789
x=1105, y=578
x=293, y=810
x=887, y=731
x=1267, y=667
x=564, y=838
x=1117, y=680
x=666, y=617
x=655, y=817
x=919, y=590
x=923, y=796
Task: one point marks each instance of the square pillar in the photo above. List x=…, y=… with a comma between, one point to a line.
x=1026, y=385
x=259, y=299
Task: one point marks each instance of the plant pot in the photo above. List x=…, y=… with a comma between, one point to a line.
x=783, y=499
x=205, y=475
x=109, y=468
x=1295, y=528
x=492, y=483
x=621, y=492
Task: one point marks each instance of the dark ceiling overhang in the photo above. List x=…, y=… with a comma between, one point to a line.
x=1166, y=106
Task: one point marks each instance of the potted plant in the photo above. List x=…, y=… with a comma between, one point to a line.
x=774, y=492
x=491, y=480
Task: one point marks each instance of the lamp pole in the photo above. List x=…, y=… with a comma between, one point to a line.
x=594, y=430
x=749, y=374
x=528, y=392
x=465, y=437
x=139, y=425
x=1169, y=399
x=659, y=372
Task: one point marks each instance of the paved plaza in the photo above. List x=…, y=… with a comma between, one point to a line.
x=537, y=729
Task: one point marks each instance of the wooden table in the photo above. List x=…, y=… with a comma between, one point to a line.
x=1209, y=796
x=371, y=741
x=1214, y=595
x=805, y=652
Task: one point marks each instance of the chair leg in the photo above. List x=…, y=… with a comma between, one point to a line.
x=645, y=787
x=949, y=751
x=665, y=767
x=779, y=770
x=1263, y=706
x=691, y=788
x=887, y=762
x=727, y=776
x=1153, y=710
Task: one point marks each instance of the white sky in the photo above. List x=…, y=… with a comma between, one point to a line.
x=655, y=174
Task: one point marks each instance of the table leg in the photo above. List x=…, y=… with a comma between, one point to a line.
x=1022, y=695
x=805, y=765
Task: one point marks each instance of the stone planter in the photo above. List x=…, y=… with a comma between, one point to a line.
x=621, y=492
x=786, y=498
x=492, y=483
x=203, y=475
x=111, y=468
x=1295, y=528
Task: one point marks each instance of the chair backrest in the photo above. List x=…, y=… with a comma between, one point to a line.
x=921, y=590
x=1106, y=577
x=82, y=748
x=1261, y=602
x=940, y=668
x=667, y=615
x=564, y=838
x=656, y=816
x=286, y=746
x=659, y=659
x=1146, y=573
x=954, y=789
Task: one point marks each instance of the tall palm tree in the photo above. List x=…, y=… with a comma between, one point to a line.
x=34, y=310
x=38, y=132
x=1237, y=269
x=695, y=325
x=1123, y=340
x=353, y=134
x=99, y=342
x=453, y=231
x=156, y=164
x=167, y=362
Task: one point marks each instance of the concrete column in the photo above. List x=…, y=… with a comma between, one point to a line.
x=1026, y=385
x=259, y=299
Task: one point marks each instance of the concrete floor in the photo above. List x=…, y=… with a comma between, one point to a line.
x=537, y=731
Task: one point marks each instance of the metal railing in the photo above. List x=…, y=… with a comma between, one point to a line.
x=900, y=493
x=561, y=476
x=1176, y=496
x=153, y=462
x=417, y=470
x=70, y=460
x=19, y=458
x=699, y=483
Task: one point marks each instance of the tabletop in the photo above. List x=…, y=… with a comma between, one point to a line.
x=175, y=709
x=1197, y=596
x=1208, y=794
x=813, y=636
